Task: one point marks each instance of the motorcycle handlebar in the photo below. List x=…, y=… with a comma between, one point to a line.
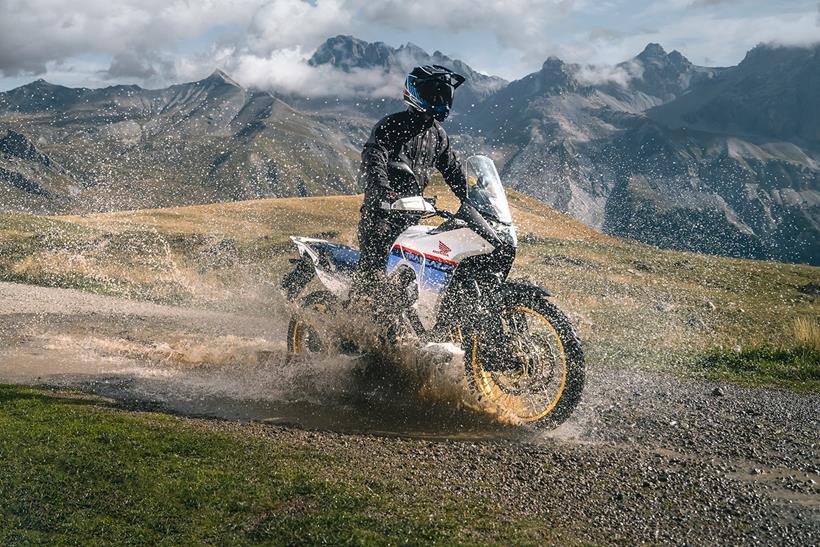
x=466, y=212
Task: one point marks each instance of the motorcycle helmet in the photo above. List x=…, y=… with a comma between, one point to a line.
x=430, y=88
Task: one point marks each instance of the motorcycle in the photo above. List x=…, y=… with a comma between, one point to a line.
x=449, y=283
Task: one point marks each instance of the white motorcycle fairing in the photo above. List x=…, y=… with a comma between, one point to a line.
x=433, y=257
x=334, y=263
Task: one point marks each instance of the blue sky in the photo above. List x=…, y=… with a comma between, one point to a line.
x=158, y=42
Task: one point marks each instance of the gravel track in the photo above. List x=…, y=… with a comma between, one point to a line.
x=646, y=458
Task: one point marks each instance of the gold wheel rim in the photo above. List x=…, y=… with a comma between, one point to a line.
x=489, y=388
x=296, y=342
x=297, y=338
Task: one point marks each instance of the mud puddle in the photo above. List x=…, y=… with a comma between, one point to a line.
x=228, y=366
x=337, y=394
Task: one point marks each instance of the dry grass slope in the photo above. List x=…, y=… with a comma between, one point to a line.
x=633, y=304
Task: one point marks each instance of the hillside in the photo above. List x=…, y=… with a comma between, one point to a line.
x=30, y=180
x=631, y=302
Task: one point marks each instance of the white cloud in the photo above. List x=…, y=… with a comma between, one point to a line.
x=36, y=32
x=287, y=71
x=520, y=24
x=284, y=24
x=620, y=74
x=704, y=37
x=265, y=42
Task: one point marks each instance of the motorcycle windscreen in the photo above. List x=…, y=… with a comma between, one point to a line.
x=484, y=190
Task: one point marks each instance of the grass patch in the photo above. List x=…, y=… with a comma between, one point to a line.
x=73, y=470
x=796, y=368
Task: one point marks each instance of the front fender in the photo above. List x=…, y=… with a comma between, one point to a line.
x=516, y=290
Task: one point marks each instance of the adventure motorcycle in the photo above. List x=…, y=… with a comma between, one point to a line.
x=449, y=283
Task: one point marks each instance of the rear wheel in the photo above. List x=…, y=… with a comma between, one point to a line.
x=530, y=364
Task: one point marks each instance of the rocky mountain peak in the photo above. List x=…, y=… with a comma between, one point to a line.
x=676, y=57
x=556, y=74
x=664, y=75
x=40, y=95
x=41, y=85
x=771, y=94
x=553, y=63
x=653, y=55
x=652, y=51
x=341, y=41
x=414, y=50
x=768, y=56
x=347, y=52
x=219, y=77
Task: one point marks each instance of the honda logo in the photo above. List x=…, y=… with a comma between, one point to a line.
x=443, y=249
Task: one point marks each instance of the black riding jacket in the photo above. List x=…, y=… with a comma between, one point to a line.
x=421, y=143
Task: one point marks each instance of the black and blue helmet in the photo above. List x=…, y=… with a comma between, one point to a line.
x=430, y=88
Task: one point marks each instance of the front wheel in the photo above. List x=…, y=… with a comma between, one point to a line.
x=527, y=361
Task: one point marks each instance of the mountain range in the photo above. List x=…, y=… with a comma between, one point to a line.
x=718, y=160
x=124, y=147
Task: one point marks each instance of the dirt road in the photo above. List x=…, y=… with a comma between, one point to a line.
x=647, y=457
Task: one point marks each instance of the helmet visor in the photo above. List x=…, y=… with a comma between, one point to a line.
x=436, y=92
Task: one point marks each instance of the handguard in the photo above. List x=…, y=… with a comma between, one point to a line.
x=413, y=204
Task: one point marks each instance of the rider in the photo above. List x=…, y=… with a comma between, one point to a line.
x=416, y=138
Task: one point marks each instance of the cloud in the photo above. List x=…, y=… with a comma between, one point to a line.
x=290, y=23
x=280, y=38
x=140, y=37
x=265, y=42
x=607, y=34
x=706, y=3
x=620, y=74
x=131, y=65
x=723, y=38
x=36, y=32
x=519, y=24
x=287, y=71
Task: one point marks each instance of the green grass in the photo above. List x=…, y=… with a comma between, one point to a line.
x=796, y=368
x=74, y=470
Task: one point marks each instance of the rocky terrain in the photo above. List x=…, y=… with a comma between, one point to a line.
x=717, y=160
x=31, y=180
